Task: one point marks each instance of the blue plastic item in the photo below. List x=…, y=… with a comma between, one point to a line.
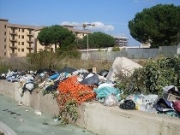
x=53, y=77
x=103, y=92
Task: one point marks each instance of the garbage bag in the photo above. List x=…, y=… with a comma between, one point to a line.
x=103, y=92
x=110, y=100
x=163, y=105
x=30, y=86
x=39, y=71
x=128, y=105
x=67, y=69
x=103, y=72
x=90, y=79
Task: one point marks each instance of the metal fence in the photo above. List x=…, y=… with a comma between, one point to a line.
x=131, y=53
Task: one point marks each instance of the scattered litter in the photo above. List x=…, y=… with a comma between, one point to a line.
x=19, y=103
x=12, y=113
x=38, y=113
x=21, y=120
x=5, y=110
x=110, y=100
x=45, y=123
x=56, y=119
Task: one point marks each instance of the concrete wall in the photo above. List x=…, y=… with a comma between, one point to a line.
x=115, y=121
x=8, y=88
x=101, y=119
x=35, y=100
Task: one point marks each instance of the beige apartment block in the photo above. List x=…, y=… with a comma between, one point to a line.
x=16, y=40
x=19, y=40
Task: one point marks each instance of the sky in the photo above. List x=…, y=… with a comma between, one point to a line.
x=109, y=16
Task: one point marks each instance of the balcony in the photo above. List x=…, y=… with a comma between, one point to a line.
x=13, y=32
x=30, y=40
x=13, y=46
x=29, y=47
x=30, y=34
x=13, y=39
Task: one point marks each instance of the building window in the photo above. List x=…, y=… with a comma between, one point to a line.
x=19, y=36
x=5, y=40
x=4, y=53
x=18, y=49
x=22, y=36
x=22, y=50
x=4, y=26
x=22, y=30
x=18, y=43
x=4, y=33
x=4, y=46
x=22, y=43
x=19, y=30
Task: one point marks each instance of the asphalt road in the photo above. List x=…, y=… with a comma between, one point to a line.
x=23, y=120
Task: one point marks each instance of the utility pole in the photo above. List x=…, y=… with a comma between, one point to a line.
x=84, y=27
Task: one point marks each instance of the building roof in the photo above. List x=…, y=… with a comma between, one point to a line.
x=3, y=19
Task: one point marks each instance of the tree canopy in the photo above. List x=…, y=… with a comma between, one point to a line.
x=158, y=25
x=98, y=40
x=56, y=35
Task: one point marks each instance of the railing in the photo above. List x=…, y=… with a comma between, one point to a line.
x=13, y=32
x=13, y=39
x=13, y=46
x=29, y=47
x=30, y=33
x=30, y=40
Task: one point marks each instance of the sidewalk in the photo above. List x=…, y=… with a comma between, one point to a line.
x=24, y=121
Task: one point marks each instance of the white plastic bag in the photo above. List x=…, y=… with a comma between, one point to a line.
x=110, y=100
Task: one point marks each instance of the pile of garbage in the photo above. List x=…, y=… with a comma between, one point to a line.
x=83, y=85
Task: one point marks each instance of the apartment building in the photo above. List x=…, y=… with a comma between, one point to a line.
x=19, y=40
x=122, y=41
x=16, y=40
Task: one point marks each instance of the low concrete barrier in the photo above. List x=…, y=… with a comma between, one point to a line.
x=115, y=121
x=8, y=88
x=36, y=100
x=100, y=119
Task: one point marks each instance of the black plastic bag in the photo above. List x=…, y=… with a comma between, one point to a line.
x=128, y=105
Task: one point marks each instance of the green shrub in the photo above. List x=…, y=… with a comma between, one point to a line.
x=68, y=51
x=43, y=59
x=115, y=48
x=3, y=67
x=155, y=74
